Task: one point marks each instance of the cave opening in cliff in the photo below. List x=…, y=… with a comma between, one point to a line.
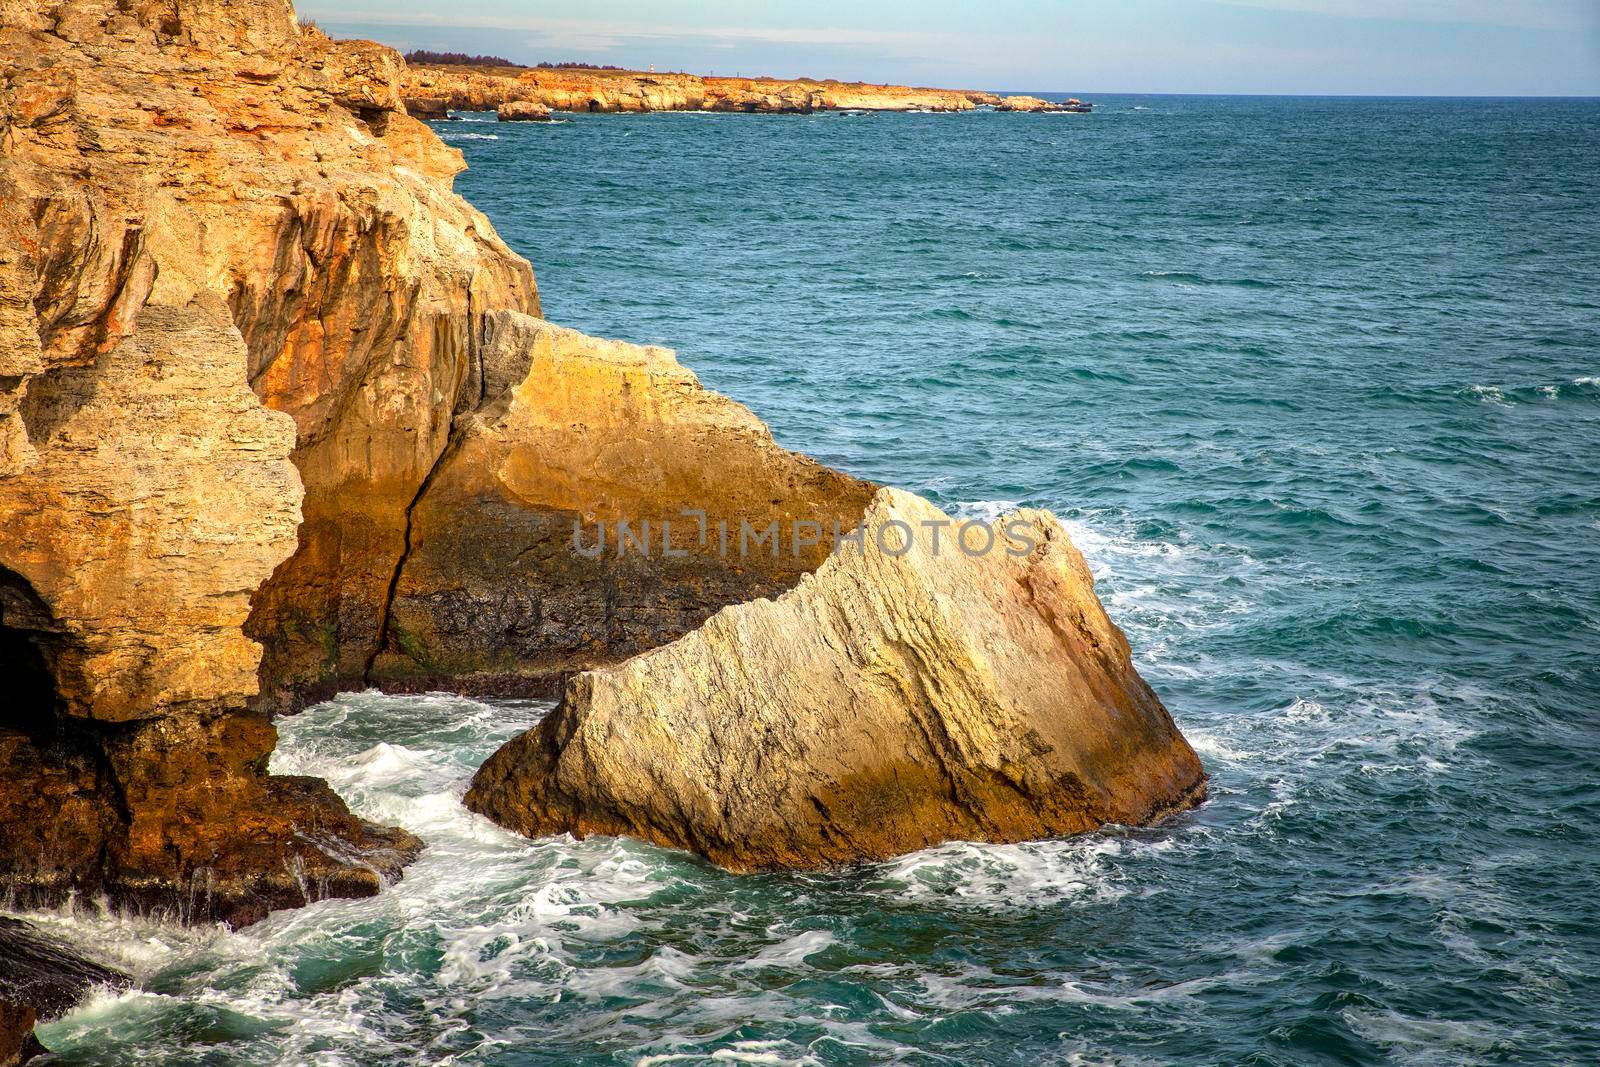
x=26, y=626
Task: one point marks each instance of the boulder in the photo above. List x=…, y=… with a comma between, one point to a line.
x=915, y=689
x=41, y=978
x=1027, y=103
x=428, y=108
x=522, y=111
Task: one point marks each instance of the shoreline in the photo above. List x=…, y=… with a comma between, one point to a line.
x=432, y=91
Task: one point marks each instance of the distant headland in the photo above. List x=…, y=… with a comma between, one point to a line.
x=436, y=84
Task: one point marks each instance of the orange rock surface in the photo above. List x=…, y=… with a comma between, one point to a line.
x=465, y=88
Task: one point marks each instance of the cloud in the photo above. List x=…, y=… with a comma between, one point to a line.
x=1523, y=14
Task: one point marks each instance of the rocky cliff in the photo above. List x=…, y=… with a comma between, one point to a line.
x=165, y=169
x=917, y=688
x=588, y=508
x=278, y=417
x=432, y=90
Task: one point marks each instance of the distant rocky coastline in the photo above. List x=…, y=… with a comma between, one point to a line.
x=432, y=91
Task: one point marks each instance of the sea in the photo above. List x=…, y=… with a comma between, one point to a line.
x=1314, y=384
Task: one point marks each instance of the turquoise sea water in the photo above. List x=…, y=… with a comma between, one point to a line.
x=1316, y=384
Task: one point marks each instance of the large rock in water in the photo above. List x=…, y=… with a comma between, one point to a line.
x=41, y=978
x=892, y=700
x=494, y=596
x=522, y=111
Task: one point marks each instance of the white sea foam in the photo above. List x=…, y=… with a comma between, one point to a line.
x=983, y=510
x=1419, y=1041
x=1489, y=394
x=790, y=952
x=1030, y=875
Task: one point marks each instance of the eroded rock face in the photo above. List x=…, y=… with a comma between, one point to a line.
x=166, y=170
x=522, y=111
x=278, y=418
x=467, y=88
x=506, y=587
x=889, y=702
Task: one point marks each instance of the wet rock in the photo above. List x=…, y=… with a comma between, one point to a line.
x=41, y=978
x=903, y=695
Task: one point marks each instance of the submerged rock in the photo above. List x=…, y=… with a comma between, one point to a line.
x=903, y=695
x=41, y=978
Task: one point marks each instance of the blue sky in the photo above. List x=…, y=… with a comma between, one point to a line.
x=1450, y=47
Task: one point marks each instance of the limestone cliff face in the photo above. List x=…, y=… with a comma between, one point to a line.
x=431, y=90
x=189, y=206
x=279, y=417
x=912, y=691
x=507, y=584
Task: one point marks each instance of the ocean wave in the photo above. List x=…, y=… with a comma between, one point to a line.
x=1031, y=875
x=1192, y=279
x=1490, y=394
x=1423, y=1041
x=1509, y=395
x=983, y=510
x=451, y=135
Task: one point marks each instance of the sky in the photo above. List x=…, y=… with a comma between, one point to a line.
x=1357, y=47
